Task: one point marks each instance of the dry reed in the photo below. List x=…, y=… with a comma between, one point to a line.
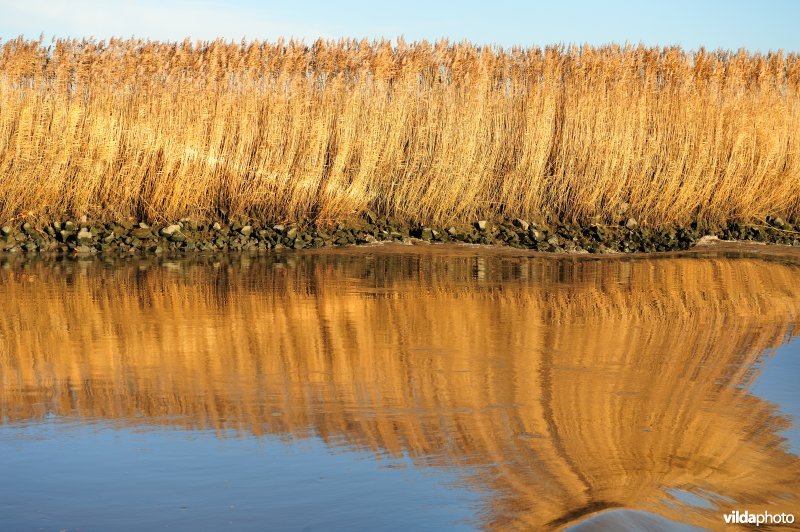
x=425, y=132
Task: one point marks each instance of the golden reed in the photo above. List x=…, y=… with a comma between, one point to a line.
x=558, y=388
x=425, y=132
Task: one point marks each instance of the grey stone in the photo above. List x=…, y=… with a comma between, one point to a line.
x=279, y=228
x=291, y=234
x=631, y=223
x=84, y=236
x=482, y=225
x=216, y=226
x=171, y=230
x=247, y=230
x=6, y=230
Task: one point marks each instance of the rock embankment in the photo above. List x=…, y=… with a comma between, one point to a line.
x=84, y=237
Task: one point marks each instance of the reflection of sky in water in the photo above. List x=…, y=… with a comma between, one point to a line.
x=630, y=520
x=689, y=498
x=68, y=476
x=778, y=381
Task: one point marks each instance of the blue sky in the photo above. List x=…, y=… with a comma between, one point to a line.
x=757, y=25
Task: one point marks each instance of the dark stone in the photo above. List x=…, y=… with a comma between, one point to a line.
x=522, y=224
x=142, y=233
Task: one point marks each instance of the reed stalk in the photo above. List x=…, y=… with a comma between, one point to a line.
x=424, y=132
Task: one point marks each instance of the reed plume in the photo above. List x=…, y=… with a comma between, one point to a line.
x=424, y=132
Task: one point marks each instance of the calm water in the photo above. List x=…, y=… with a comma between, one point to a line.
x=399, y=388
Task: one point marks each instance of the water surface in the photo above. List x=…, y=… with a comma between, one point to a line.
x=399, y=388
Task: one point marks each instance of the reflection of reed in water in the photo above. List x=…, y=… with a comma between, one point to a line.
x=580, y=385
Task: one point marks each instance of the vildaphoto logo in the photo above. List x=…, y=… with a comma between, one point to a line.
x=764, y=518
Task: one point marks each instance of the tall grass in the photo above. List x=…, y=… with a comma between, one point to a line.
x=423, y=132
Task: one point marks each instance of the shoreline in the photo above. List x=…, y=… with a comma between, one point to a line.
x=128, y=237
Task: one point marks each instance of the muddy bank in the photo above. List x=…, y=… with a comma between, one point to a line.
x=84, y=237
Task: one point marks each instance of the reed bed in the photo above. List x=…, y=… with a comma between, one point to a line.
x=423, y=132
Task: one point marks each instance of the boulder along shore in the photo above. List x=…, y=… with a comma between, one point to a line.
x=83, y=237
